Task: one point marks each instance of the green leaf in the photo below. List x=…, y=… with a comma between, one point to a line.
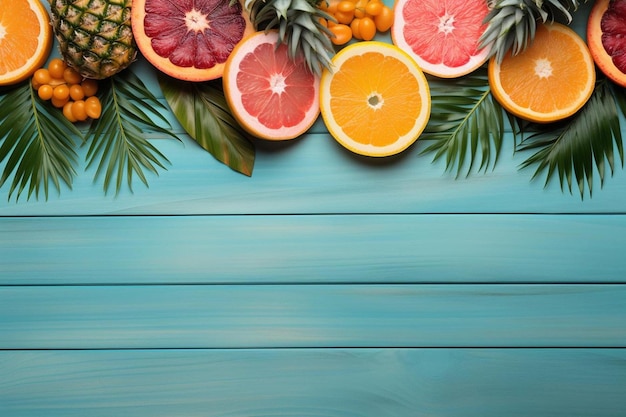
x=576, y=147
x=118, y=143
x=466, y=122
x=37, y=143
x=202, y=111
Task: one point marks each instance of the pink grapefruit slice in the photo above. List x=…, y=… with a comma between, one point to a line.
x=271, y=95
x=441, y=35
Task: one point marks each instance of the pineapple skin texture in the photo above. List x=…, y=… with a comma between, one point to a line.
x=95, y=36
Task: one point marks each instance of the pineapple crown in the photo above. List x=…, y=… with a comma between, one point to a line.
x=511, y=24
x=299, y=27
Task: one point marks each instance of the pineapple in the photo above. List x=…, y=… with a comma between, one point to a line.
x=511, y=24
x=298, y=24
x=95, y=36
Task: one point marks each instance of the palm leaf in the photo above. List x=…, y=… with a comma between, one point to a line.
x=202, y=111
x=588, y=140
x=118, y=144
x=466, y=122
x=36, y=142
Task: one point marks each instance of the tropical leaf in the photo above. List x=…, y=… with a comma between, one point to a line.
x=36, y=142
x=466, y=123
x=202, y=111
x=587, y=141
x=118, y=144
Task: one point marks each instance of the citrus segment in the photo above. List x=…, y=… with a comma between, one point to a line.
x=606, y=37
x=550, y=80
x=189, y=40
x=441, y=35
x=376, y=101
x=25, y=39
x=271, y=95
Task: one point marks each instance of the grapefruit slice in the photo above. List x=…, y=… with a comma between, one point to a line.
x=188, y=40
x=441, y=35
x=606, y=37
x=25, y=39
x=376, y=101
x=550, y=80
x=271, y=96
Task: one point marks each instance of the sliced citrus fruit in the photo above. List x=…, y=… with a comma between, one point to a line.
x=188, y=40
x=606, y=37
x=441, y=35
x=271, y=95
x=25, y=39
x=550, y=80
x=376, y=100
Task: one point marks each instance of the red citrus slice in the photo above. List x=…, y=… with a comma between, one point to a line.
x=189, y=40
x=441, y=35
x=606, y=37
x=272, y=96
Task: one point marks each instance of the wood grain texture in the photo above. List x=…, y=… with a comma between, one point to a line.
x=275, y=316
x=315, y=383
x=312, y=249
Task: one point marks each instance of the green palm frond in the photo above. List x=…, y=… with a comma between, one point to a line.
x=466, y=122
x=36, y=142
x=587, y=141
x=118, y=143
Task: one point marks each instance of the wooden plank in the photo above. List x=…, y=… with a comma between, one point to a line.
x=284, y=316
x=312, y=249
x=311, y=383
x=315, y=175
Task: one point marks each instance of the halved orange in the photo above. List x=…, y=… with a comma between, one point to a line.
x=25, y=39
x=550, y=80
x=606, y=37
x=376, y=100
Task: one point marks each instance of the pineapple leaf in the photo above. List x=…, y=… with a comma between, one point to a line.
x=118, y=144
x=202, y=111
x=465, y=119
x=588, y=140
x=511, y=24
x=37, y=143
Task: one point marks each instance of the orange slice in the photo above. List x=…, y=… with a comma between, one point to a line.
x=25, y=39
x=550, y=80
x=376, y=101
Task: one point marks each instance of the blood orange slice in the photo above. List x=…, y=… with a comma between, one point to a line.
x=606, y=37
x=271, y=95
x=189, y=40
x=441, y=35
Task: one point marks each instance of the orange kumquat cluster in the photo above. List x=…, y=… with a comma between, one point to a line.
x=67, y=89
x=358, y=19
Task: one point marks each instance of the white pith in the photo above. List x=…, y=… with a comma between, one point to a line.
x=446, y=24
x=196, y=21
x=277, y=83
x=377, y=98
x=3, y=32
x=543, y=68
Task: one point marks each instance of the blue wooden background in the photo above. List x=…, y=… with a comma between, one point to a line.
x=325, y=285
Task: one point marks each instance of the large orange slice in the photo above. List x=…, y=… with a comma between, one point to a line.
x=550, y=80
x=25, y=39
x=376, y=101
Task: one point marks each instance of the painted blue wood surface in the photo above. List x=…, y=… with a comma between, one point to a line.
x=325, y=285
x=314, y=383
x=313, y=249
x=305, y=316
